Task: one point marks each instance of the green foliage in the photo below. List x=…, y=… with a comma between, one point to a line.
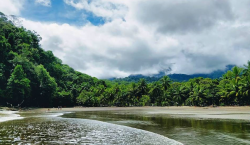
x=165, y=82
x=47, y=86
x=86, y=99
x=144, y=101
x=18, y=86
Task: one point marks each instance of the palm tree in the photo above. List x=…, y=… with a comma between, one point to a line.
x=165, y=81
x=237, y=71
x=244, y=90
x=142, y=88
x=246, y=71
x=199, y=95
x=224, y=90
x=124, y=98
x=212, y=91
x=155, y=93
x=190, y=100
x=228, y=75
x=180, y=92
x=109, y=96
x=132, y=93
x=229, y=91
x=166, y=98
x=117, y=93
x=74, y=92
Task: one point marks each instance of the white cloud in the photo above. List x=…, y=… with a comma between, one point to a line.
x=113, y=49
x=182, y=15
x=11, y=7
x=129, y=43
x=46, y=3
x=102, y=8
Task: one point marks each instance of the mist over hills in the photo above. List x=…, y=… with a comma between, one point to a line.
x=174, y=77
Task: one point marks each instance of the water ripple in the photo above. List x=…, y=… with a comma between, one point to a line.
x=75, y=131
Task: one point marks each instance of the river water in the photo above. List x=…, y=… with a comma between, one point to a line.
x=48, y=128
x=121, y=127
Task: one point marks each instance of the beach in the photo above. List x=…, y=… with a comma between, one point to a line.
x=234, y=113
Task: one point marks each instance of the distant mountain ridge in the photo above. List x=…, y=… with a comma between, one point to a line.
x=174, y=77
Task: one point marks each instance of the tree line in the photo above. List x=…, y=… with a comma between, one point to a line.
x=33, y=77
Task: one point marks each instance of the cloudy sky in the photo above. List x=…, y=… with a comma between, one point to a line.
x=116, y=38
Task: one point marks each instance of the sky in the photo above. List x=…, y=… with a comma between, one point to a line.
x=117, y=38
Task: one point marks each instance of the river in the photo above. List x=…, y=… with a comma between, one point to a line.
x=121, y=127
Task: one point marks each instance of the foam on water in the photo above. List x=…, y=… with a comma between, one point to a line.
x=56, y=130
x=9, y=115
x=53, y=129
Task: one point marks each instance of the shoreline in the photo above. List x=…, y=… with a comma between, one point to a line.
x=227, y=112
x=6, y=115
x=224, y=113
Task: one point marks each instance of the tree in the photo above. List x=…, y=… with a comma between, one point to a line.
x=199, y=95
x=144, y=100
x=212, y=93
x=4, y=49
x=237, y=72
x=142, y=88
x=180, y=92
x=133, y=93
x=18, y=86
x=165, y=81
x=47, y=87
x=156, y=93
x=109, y=96
x=246, y=71
x=124, y=98
x=86, y=98
x=63, y=98
x=244, y=91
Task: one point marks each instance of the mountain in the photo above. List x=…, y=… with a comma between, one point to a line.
x=174, y=77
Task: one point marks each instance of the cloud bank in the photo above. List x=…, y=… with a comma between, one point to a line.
x=11, y=7
x=145, y=36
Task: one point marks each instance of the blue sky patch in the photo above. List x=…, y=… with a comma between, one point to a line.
x=59, y=12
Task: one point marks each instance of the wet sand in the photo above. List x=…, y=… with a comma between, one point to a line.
x=235, y=113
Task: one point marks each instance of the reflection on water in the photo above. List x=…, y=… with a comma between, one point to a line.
x=56, y=130
x=187, y=131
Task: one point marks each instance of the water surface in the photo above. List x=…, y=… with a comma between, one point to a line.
x=121, y=127
x=48, y=128
x=193, y=131
x=9, y=115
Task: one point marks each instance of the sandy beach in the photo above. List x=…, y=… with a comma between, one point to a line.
x=236, y=113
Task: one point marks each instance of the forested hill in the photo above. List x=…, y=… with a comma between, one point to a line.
x=32, y=77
